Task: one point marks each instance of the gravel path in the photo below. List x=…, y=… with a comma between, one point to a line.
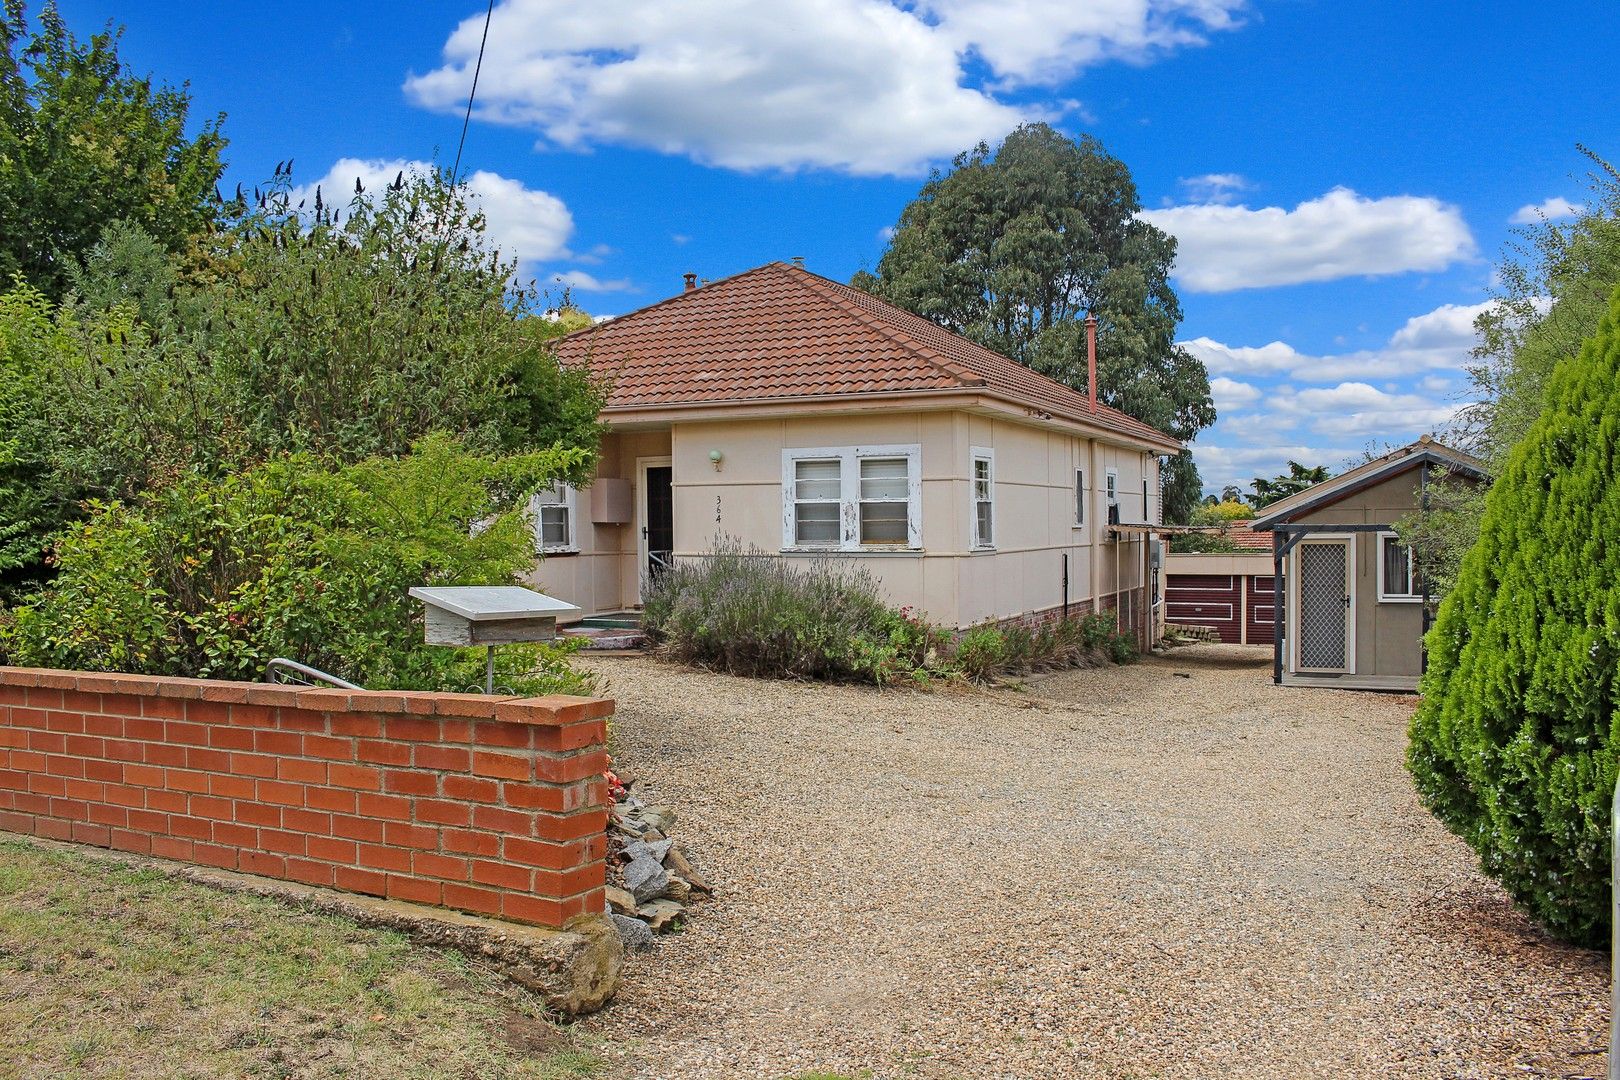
x=1120, y=873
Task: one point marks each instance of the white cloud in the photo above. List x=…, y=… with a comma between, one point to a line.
x=1218, y=188
x=529, y=225
x=870, y=87
x=581, y=281
x=1438, y=340
x=1231, y=394
x=1219, y=466
x=1341, y=234
x=1550, y=209
x=1319, y=410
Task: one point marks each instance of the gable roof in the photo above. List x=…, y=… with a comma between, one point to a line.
x=780, y=333
x=1425, y=452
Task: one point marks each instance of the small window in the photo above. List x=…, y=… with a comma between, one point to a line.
x=1079, y=497
x=1397, y=570
x=553, y=512
x=1112, y=480
x=984, y=498
x=816, y=501
x=885, y=500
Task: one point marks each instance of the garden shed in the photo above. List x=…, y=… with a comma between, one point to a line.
x=1355, y=605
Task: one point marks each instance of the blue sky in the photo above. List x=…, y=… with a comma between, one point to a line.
x=1341, y=176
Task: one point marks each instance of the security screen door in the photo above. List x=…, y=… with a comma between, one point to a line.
x=1324, y=605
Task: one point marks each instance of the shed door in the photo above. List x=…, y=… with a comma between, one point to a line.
x=1324, y=605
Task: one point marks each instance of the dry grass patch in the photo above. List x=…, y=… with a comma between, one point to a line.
x=114, y=970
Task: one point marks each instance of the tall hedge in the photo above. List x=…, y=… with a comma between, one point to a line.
x=1513, y=746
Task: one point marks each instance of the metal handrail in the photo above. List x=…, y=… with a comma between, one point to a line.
x=311, y=676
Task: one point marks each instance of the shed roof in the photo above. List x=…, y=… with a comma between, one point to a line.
x=1426, y=451
x=778, y=333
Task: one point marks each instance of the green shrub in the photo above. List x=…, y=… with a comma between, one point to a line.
x=745, y=612
x=749, y=612
x=1513, y=745
x=214, y=577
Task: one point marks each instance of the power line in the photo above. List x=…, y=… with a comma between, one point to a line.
x=455, y=172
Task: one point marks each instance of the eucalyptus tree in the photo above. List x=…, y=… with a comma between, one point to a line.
x=1012, y=248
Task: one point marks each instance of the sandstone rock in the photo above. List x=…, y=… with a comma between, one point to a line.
x=620, y=901
x=678, y=890
x=645, y=878
x=637, y=935
x=660, y=914
x=675, y=861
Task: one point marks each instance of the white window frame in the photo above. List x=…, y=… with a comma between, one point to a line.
x=1080, y=496
x=849, y=458
x=988, y=456
x=1384, y=595
x=568, y=500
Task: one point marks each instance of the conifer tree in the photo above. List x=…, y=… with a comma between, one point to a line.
x=1513, y=746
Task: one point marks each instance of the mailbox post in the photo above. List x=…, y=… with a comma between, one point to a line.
x=488, y=615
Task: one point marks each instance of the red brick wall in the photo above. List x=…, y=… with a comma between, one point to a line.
x=491, y=805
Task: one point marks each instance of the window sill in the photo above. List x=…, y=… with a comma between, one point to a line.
x=1400, y=599
x=982, y=549
x=803, y=552
x=546, y=553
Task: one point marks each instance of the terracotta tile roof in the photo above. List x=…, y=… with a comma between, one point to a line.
x=1246, y=539
x=779, y=332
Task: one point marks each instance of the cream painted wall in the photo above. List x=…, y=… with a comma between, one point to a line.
x=604, y=575
x=955, y=584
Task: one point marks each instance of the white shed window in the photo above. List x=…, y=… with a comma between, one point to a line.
x=852, y=498
x=984, y=497
x=1397, y=571
x=552, y=510
x=1111, y=478
x=1079, y=497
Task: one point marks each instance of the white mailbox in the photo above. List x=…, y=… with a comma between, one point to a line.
x=489, y=615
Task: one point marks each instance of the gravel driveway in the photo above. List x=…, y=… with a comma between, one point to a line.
x=1119, y=873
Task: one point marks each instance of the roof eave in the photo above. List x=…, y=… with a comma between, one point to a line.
x=937, y=398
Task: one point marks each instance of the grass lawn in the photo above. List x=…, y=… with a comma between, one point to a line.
x=115, y=971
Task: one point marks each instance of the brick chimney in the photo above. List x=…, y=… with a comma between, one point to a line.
x=691, y=281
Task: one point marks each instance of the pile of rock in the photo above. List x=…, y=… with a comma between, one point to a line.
x=650, y=881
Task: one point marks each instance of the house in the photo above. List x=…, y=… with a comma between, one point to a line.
x=1231, y=593
x=809, y=419
x=1355, y=606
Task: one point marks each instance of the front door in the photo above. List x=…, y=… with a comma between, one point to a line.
x=658, y=532
x=1325, y=605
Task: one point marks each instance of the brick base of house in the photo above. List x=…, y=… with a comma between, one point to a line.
x=489, y=805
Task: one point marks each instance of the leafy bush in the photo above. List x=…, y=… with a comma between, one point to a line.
x=286, y=331
x=745, y=612
x=214, y=577
x=1513, y=745
x=749, y=612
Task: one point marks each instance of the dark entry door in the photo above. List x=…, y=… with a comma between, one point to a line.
x=659, y=531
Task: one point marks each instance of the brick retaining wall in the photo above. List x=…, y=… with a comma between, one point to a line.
x=490, y=805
